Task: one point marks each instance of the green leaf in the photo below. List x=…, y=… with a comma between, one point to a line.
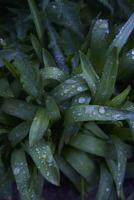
x=118, y=100
x=52, y=73
x=37, y=20
x=68, y=131
x=69, y=88
x=5, y=181
x=126, y=67
x=89, y=73
x=18, y=133
x=92, y=145
x=19, y=109
x=108, y=78
x=123, y=35
x=6, y=54
x=52, y=109
x=37, y=46
x=118, y=168
x=80, y=162
x=130, y=107
x=96, y=113
x=48, y=59
x=43, y=158
x=68, y=171
x=29, y=75
x=107, y=4
x=105, y=184
x=55, y=47
x=39, y=126
x=11, y=68
x=7, y=120
x=65, y=13
x=5, y=90
x=99, y=43
x=21, y=174
x=96, y=130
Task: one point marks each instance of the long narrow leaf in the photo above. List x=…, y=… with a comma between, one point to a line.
x=39, y=126
x=36, y=18
x=43, y=158
x=96, y=113
x=89, y=73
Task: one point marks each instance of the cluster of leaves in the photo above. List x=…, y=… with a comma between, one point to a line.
x=66, y=97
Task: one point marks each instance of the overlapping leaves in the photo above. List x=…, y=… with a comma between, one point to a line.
x=46, y=103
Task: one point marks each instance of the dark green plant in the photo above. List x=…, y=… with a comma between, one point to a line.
x=66, y=102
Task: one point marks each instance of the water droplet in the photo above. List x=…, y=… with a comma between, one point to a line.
x=132, y=52
x=54, y=6
x=66, y=91
x=81, y=100
x=102, y=110
x=16, y=171
x=47, y=174
x=79, y=89
x=107, y=189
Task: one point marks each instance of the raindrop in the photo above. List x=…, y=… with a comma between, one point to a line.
x=54, y=6
x=102, y=110
x=133, y=52
x=107, y=189
x=81, y=100
x=79, y=89
x=47, y=174
x=16, y=171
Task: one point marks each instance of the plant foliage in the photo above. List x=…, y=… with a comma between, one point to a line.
x=66, y=96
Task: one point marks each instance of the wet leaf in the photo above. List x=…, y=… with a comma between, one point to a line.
x=65, y=13
x=118, y=168
x=52, y=73
x=39, y=126
x=18, y=133
x=22, y=175
x=19, y=109
x=126, y=67
x=89, y=73
x=43, y=158
x=68, y=89
x=29, y=75
x=105, y=184
x=96, y=113
x=55, y=47
x=130, y=107
x=123, y=35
